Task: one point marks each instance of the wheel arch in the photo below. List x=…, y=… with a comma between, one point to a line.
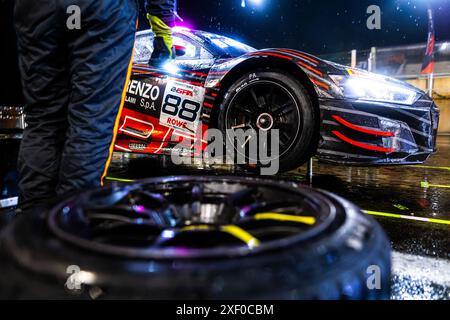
x=269, y=63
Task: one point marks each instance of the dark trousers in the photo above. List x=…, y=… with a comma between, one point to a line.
x=73, y=83
x=163, y=9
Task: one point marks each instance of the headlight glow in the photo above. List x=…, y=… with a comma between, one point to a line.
x=375, y=88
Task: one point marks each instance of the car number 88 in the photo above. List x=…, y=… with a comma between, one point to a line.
x=185, y=109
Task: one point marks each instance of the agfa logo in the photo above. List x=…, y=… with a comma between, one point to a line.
x=182, y=91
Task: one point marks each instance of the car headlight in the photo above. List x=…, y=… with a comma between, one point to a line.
x=370, y=87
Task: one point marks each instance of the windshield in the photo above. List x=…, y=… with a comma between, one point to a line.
x=226, y=46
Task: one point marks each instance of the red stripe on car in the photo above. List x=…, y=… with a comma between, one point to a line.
x=310, y=68
x=298, y=54
x=321, y=84
x=362, y=145
x=271, y=54
x=364, y=130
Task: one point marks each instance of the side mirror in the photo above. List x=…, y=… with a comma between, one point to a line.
x=180, y=50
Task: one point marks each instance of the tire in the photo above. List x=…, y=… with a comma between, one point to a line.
x=305, y=141
x=326, y=260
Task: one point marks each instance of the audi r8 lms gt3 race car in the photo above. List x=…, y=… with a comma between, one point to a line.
x=341, y=114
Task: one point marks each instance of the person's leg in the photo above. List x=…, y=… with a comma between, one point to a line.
x=163, y=9
x=101, y=54
x=161, y=15
x=42, y=61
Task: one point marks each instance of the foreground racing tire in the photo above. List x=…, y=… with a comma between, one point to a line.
x=196, y=238
x=266, y=100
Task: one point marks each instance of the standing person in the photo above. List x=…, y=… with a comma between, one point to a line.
x=161, y=15
x=74, y=80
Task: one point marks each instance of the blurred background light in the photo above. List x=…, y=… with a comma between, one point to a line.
x=244, y=3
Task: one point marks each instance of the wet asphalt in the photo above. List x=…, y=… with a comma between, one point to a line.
x=414, y=191
x=393, y=195
x=421, y=249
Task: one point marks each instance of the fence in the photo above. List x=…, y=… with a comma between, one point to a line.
x=403, y=62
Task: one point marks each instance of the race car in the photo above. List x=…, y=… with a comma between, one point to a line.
x=340, y=114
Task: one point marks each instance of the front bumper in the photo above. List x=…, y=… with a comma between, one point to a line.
x=358, y=132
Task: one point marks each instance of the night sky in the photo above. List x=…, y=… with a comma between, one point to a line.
x=315, y=26
x=318, y=26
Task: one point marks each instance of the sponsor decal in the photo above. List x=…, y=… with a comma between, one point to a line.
x=181, y=105
x=137, y=146
x=143, y=89
x=176, y=123
x=183, y=91
x=145, y=95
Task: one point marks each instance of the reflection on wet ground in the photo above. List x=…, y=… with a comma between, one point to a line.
x=421, y=257
x=418, y=191
x=395, y=195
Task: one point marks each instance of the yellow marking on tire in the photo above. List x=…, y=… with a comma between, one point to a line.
x=401, y=216
x=232, y=230
x=241, y=234
x=197, y=228
x=285, y=217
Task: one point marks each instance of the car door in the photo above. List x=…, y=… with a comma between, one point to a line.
x=163, y=102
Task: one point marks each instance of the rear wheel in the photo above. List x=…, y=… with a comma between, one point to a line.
x=265, y=101
x=199, y=238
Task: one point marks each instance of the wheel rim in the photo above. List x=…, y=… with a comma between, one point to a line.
x=189, y=217
x=263, y=106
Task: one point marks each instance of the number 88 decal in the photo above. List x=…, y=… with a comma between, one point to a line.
x=188, y=111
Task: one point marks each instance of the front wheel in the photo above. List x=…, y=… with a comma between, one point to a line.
x=271, y=105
